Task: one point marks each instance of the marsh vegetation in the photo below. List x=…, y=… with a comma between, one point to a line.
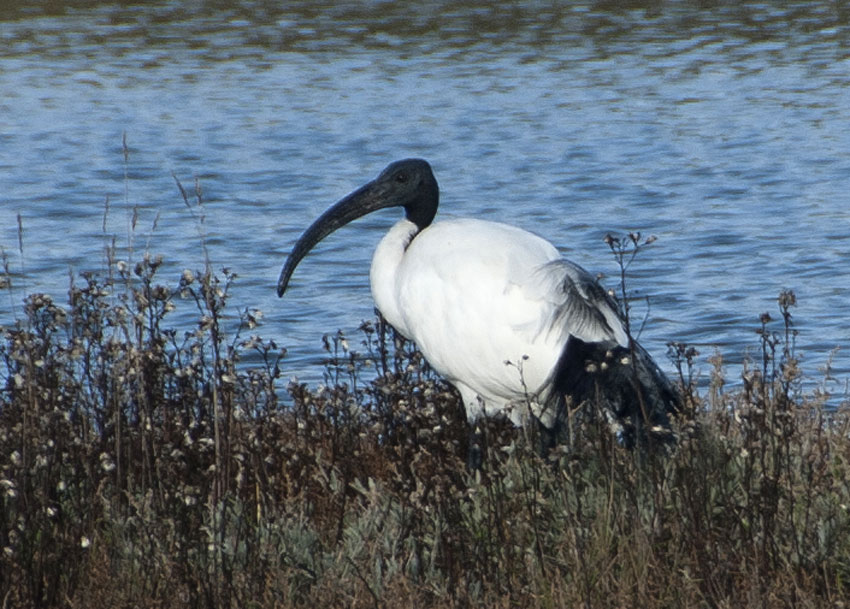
x=142, y=466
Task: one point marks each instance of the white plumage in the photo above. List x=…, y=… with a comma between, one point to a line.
x=490, y=306
x=495, y=309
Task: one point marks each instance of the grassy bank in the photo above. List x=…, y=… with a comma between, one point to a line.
x=141, y=466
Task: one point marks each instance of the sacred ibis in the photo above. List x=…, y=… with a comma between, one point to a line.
x=495, y=310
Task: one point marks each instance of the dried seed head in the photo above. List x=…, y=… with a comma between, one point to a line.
x=787, y=298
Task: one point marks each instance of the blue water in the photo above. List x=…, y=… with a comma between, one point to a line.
x=721, y=129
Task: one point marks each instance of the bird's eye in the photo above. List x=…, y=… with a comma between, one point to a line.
x=401, y=177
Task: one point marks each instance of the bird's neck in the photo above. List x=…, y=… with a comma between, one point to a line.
x=385, y=267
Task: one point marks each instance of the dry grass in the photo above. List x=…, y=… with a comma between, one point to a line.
x=143, y=468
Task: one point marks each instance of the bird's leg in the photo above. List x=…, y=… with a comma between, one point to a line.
x=547, y=438
x=475, y=452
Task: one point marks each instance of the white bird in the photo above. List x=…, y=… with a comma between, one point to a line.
x=517, y=329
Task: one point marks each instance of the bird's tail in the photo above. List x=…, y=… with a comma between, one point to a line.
x=622, y=383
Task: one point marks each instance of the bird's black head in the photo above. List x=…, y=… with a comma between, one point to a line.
x=409, y=183
x=412, y=185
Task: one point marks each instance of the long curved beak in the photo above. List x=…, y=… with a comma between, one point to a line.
x=364, y=200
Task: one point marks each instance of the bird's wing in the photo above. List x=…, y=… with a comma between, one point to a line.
x=574, y=304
